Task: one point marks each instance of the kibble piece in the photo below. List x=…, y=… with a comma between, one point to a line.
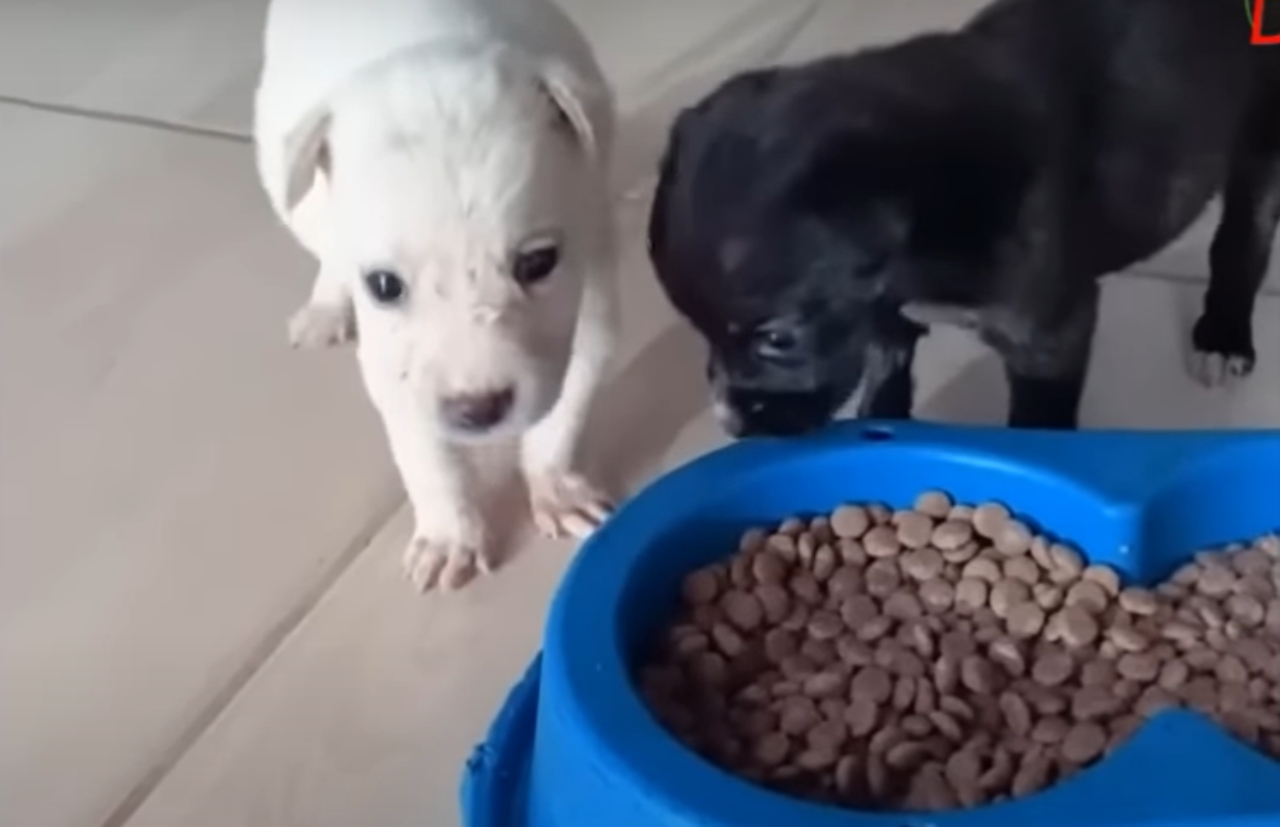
x=797, y=715
x=1025, y=620
x=775, y=601
x=850, y=521
x=1078, y=627
x=990, y=518
x=858, y=610
x=971, y=594
x=1231, y=669
x=1088, y=595
x=937, y=595
x=1128, y=639
x=742, y=609
x=983, y=568
x=772, y=749
x=1052, y=668
x=1083, y=743
x=829, y=734
x=1138, y=666
x=922, y=564
x=882, y=541
x=753, y=540
x=915, y=530
x=702, y=586
x=952, y=534
x=1067, y=562
x=1017, y=715
x=1006, y=594
x=846, y=775
x=710, y=669
x=1092, y=702
x=1173, y=674
x=904, y=693
x=1032, y=774
x=1013, y=538
x=1098, y=673
x=1048, y=596
x=861, y=715
x=1215, y=580
x=853, y=652
x=876, y=628
x=872, y=683
x=963, y=554
x=977, y=675
x=779, y=644
x=1006, y=652
x=1050, y=730
x=1022, y=568
x=824, y=625
x=903, y=605
x=882, y=578
x=1247, y=609
x=845, y=582
x=769, y=568
x=805, y=586
x=936, y=504
x=1104, y=576
x=905, y=754
x=728, y=640
x=1138, y=601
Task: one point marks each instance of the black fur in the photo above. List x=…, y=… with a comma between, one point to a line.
x=810, y=220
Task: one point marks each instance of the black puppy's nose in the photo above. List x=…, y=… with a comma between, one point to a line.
x=477, y=411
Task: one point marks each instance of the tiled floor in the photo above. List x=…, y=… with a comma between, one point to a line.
x=201, y=618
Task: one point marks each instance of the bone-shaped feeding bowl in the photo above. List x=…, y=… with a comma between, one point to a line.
x=576, y=746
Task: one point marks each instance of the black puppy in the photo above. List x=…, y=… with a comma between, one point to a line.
x=812, y=221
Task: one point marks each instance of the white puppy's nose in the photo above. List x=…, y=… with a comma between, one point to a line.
x=477, y=411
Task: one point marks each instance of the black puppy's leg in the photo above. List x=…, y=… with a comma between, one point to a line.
x=1047, y=367
x=889, y=389
x=890, y=392
x=1223, y=336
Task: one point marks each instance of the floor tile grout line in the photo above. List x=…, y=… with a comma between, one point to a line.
x=262, y=652
x=126, y=119
x=1173, y=278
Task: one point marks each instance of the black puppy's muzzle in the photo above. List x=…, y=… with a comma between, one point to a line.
x=745, y=413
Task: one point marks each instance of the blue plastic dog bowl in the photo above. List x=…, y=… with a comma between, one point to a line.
x=574, y=745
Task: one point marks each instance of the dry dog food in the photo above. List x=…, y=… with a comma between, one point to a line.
x=947, y=655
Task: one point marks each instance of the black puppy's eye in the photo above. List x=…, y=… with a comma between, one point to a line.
x=534, y=265
x=385, y=286
x=775, y=343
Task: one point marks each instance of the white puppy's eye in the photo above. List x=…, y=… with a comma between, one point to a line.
x=384, y=286
x=535, y=264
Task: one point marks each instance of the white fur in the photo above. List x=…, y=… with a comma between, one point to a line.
x=436, y=138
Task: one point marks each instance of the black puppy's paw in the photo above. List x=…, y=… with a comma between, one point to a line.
x=1223, y=351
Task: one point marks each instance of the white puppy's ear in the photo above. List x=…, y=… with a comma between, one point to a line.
x=306, y=154
x=583, y=106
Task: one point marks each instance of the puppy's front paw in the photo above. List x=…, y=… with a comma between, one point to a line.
x=565, y=504
x=322, y=325
x=432, y=563
x=1223, y=351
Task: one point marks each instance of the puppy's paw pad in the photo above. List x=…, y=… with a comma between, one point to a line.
x=321, y=325
x=566, y=505
x=1222, y=353
x=438, y=564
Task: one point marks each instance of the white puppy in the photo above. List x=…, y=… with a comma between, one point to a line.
x=446, y=162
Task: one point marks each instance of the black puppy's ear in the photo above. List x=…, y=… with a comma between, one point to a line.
x=666, y=178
